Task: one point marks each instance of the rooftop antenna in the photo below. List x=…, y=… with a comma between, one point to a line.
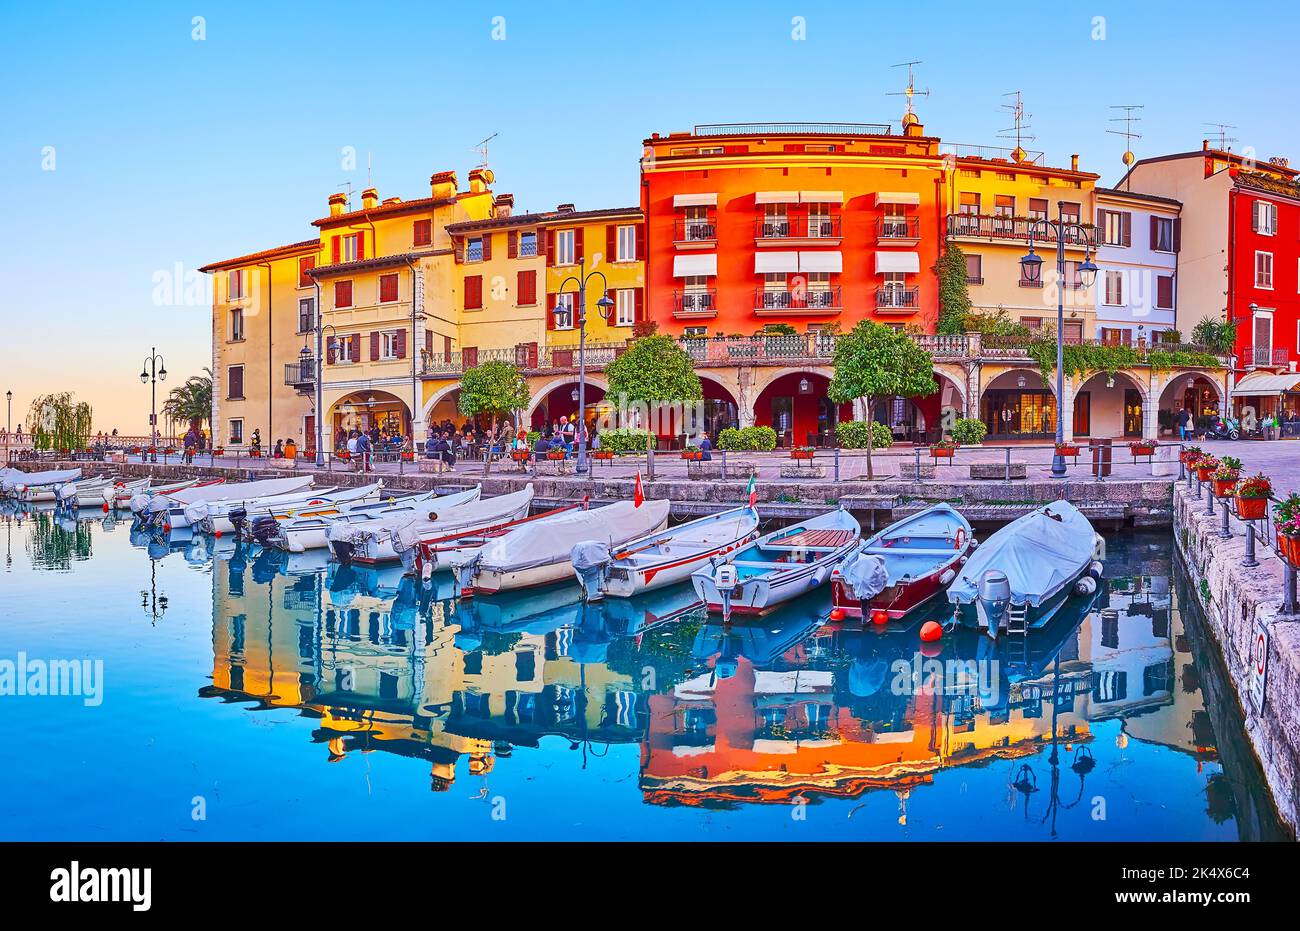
x=1128, y=119
x=370, y=164
x=1017, y=131
x=909, y=114
x=1221, y=130
x=348, y=186
x=482, y=150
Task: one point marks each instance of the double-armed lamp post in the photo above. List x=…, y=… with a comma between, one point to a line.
x=563, y=320
x=1032, y=266
x=153, y=371
x=305, y=362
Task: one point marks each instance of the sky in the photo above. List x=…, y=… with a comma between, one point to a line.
x=136, y=142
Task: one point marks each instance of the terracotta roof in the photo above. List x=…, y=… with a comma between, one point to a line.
x=1116, y=192
x=1204, y=153
x=384, y=261
x=545, y=218
x=278, y=252
x=384, y=210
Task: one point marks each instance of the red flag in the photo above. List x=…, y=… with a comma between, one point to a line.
x=639, y=496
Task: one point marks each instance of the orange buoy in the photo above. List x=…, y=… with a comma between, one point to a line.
x=105, y=507
x=879, y=617
x=931, y=632
x=837, y=614
x=217, y=534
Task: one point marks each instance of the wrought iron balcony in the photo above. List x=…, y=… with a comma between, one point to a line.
x=695, y=304
x=769, y=229
x=700, y=232
x=798, y=301
x=898, y=300
x=1015, y=229
x=1263, y=357
x=898, y=228
x=301, y=374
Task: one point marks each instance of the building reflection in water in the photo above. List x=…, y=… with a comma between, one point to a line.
x=786, y=709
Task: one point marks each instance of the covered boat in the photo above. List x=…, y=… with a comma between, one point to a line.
x=38, y=486
x=370, y=541
x=228, y=515
x=428, y=541
x=304, y=528
x=1020, y=576
x=83, y=492
x=119, y=495
x=174, y=514
x=540, y=552
x=663, y=558
x=903, y=566
x=778, y=566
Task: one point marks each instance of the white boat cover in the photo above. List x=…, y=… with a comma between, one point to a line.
x=1039, y=553
x=553, y=539
x=865, y=575
x=358, y=532
x=241, y=490
x=476, y=514
x=15, y=478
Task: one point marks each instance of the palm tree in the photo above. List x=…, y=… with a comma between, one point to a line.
x=192, y=401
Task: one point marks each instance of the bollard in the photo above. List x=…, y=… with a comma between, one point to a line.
x=724, y=465
x=1288, y=589
x=1225, y=533
x=837, y=464
x=650, y=463
x=916, y=451
x=1250, y=561
x=1007, y=475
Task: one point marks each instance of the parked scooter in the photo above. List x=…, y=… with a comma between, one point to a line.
x=1220, y=428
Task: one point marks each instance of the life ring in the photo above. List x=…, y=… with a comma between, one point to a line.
x=961, y=539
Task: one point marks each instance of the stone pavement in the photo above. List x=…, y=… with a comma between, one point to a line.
x=1279, y=459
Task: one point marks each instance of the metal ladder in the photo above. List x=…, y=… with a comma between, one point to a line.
x=1018, y=619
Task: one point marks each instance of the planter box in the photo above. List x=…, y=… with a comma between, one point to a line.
x=1223, y=487
x=1143, y=450
x=555, y=457
x=801, y=453
x=1206, y=474
x=1071, y=451
x=520, y=455
x=1252, y=508
x=938, y=453
x=692, y=454
x=602, y=454
x=1289, y=549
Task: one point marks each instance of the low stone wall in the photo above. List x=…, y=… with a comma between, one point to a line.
x=1234, y=600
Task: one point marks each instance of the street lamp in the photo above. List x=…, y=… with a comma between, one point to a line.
x=153, y=371
x=320, y=371
x=1031, y=266
x=9, y=417
x=605, y=307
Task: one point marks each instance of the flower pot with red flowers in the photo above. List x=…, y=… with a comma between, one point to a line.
x=219, y=451
x=1252, y=497
x=555, y=455
x=1286, y=519
x=1226, y=475
x=408, y=456
x=255, y=453
x=1205, y=467
x=1067, y=449
x=944, y=449
x=519, y=455
x=344, y=455
x=802, y=452
x=1142, y=448
x=692, y=455
x=602, y=454
x=1190, y=454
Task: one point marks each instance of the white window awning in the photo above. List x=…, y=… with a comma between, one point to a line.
x=821, y=262
x=695, y=200
x=776, y=262
x=905, y=262
x=821, y=197
x=1259, y=384
x=689, y=266
x=776, y=197
x=898, y=197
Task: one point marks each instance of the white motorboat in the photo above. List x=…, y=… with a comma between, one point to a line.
x=304, y=529
x=1019, y=578
x=119, y=494
x=38, y=486
x=169, y=509
x=664, y=558
x=83, y=493
x=226, y=516
x=370, y=542
x=540, y=552
x=778, y=566
x=427, y=546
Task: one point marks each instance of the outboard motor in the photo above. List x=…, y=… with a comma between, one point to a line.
x=993, y=601
x=465, y=569
x=263, y=529
x=591, y=559
x=342, y=550
x=238, y=518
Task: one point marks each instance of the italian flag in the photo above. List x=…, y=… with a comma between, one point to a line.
x=753, y=492
x=639, y=495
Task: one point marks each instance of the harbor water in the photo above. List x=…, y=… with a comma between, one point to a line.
x=226, y=693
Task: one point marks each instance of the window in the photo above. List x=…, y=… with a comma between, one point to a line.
x=1004, y=205
x=1263, y=219
x=1164, y=292
x=775, y=221
x=974, y=269
x=387, y=289
x=422, y=232
x=625, y=311
x=306, y=314
x=970, y=172
x=1162, y=234
x=564, y=307
x=235, y=383
x=528, y=246
x=1005, y=175
x=473, y=292
x=696, y=332
x=820, y=222
x=236, y=431
x=1116, y=227
x=305, y=264
x=1038, y=208
x=1264, y=270
x=351, y=247
x=1114, y=295
x=627, y=244
x=969, y=203
x=236, y=324
x=343, y=294
x=237, y=284
x=1116, y=336
x=344, y=347
x=564, y=254
x=1070, y=212
x=474, y=250
x=527, y=288
x=388, y=347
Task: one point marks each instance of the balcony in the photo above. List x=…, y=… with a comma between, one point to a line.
x=695, y=233
x=695, y=305
x=301, y=375
x=1013, y=229
x=896, y=300
x=784, y=231
x=797, y=303
x=806, y=348
x=898, y=230
x=1263, y=357
x=528, y=357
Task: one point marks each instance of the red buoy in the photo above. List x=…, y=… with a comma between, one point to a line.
x=105, y=507
x=931, y=631
x=837, y=614
x=880, y=616
x=217, y=534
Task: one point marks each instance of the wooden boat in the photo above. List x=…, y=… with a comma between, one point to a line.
x=222, y=517
x=119, y=495
x=444, y=526
x=661, y=559
x=540, y=552
x=370, y=542
x=169, y=510
x=779, y=566
x=1019, y=578
x=903, y=566
x=303, y=529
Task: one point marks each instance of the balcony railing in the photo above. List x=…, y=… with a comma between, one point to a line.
x=528, y=248
x=528, y=357
x=695, y=304
x=797, y=301
x=747, y=350
x=300, y=374
x=895, y=299
x=898, y=228
x=703, y=231
x=982, y=226
x=817, y=227
x=1263, y=357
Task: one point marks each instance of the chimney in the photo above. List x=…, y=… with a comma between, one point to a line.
x=914, y=129
x=504, y=204
x=479, y=178
x=338, y=203
x=1205, y=145
x=564, y=208
x=1074, y=163
x=389, y=201
x=369, y=199
x=443, y=185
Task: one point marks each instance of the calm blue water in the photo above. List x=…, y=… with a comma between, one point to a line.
x=249, y=697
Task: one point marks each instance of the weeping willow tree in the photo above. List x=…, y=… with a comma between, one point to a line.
x=56, y=543
x=59, y=422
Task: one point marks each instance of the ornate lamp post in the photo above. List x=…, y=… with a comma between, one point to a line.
x=320, y=373
x=1032, y=266
x=605, y=306
x=153, y=371
x=9, y=417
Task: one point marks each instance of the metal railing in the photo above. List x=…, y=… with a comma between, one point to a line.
x=983, y=226
x=797, y=227
x=1253, y=356
x=695, y=303
x=766, y=301
x=772, y=129
x=694, y=230
x=893, y=298
x=300, y=373
x=962, y=150
x=898, y=228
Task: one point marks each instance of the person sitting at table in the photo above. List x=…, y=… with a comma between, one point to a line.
x=278, y=452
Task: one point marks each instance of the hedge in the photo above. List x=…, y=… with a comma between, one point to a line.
x=747, y=439
x=625, y=440
x=852, y=434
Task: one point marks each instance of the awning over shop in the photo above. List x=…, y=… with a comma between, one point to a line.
x=695, y=200
x=905, y=262
x=776, y=197
x=686, y=266
x=821, y=262
x=776, y=262
x=898, y=197
x=1259, y=384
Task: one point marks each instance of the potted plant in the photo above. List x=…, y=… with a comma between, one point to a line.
x=219, y=451
x=802, y=452
x=1142, y=448
x=408, y=455
x=555, y=455
x=1252, y=497
x=602, y=454
x=1226, y=475
x=1286, y=516
x=943, y=449
x=692, y=455
x=1189, y=454
x=520, y=455
x=1067, y=449
x=1205, y=467
x=343, y=454
x=255, y=453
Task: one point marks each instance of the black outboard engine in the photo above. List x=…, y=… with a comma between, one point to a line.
x=238, y=519
x=263, y=529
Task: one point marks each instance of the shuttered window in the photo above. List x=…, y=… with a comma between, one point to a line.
x=422, y=232
x=387, y=288
x=1165, y=292
x=527, y=288
x=473, y=292
x=305, y=264
x=235, y=383
x=343, y=294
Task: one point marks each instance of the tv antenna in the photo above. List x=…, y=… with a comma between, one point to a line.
x=1221, y=130
x=1128, y=118
x=909, y=114
x=348, y=186
x=1020, y=123
x=482, y=150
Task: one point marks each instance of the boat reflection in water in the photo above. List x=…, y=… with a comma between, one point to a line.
x=785, y=709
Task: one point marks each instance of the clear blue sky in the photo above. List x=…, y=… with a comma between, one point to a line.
x=172, y=150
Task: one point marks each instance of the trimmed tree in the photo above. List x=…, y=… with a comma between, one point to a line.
x=654, y=369
x=873, y=361
x=495, y=389
x=954, y=295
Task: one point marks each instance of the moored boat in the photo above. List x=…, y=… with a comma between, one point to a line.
x=778, y=566
x=1019, y=578
x=83, y=492
x=369, y=542
x=169, y=509
x=302, y=529
x=443, y=531
x=119, y=495
x=38, y=486
x=228, y=516
x=662, y=558
x=903, y=566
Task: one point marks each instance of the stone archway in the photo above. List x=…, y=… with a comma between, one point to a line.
x=1018, y=405
x=367, y=410
x=795, y=405
x=1111, y=406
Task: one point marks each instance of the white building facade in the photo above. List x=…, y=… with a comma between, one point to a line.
x=1138, y=238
